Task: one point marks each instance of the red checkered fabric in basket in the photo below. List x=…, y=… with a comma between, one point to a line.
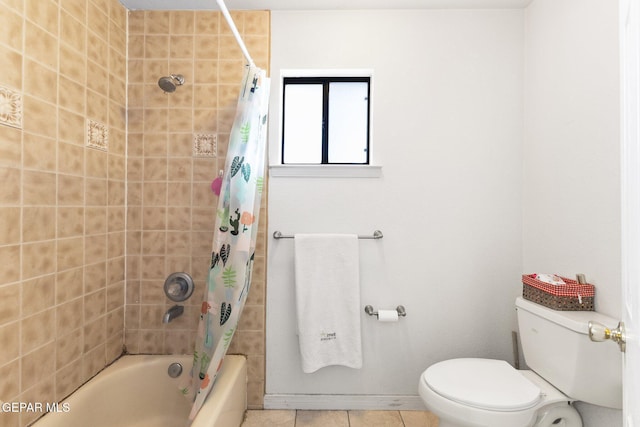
x=571, y=289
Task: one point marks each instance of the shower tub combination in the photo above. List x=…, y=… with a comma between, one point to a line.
x=137, y=391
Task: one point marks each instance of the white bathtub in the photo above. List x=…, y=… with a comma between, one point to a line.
x=136, y=391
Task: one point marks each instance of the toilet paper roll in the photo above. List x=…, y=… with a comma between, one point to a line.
x=387, y=315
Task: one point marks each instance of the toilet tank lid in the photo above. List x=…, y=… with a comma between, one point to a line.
x=482, y=383
x=577, y=321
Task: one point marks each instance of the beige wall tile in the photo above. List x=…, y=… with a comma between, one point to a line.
x=69, y=285
x=95, y=220
x=10, y=146
x=10, y=385
x=72, y=33
x=39, y=223
x=38, y=294
x=98, y=20
x=157, y=22
x=45, y=390
x=151, y=341
x=74, y=97
x=37, y=330
x=10, y=225
x=96, y=162
x=70, y=253
x=77, y=9
x=40, y=81
x=44, y=13
x=68, y=347
x=9, y=342
x=97, y=78
x=95, y=247
x=155, y=169
x=70, y=158
x=70, y=190
x=94, y=359
x=182, y=22
x=116, y=240
x=95, y=305
x=156, y=46
x=208, y=22
x=39, y=117
x=154, y=194
x=94, y=334
x=39, y=152
x=38, y=259
x=118, y=40
x=68, y=379
x=10, y=177
x=99, y=52
x=41, y=45
x=71, y=126
x=39, y=188
x=11, y=27
x=181, y=46
x=95, y=276
x=9, y=303
x=206, y=47
x=97, y=106
x=37, y=365
x=70, y=221
x=115, y=271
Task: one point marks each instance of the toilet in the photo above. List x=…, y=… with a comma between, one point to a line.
x=566, y=366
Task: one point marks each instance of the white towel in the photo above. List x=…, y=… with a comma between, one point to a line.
x=328, y=300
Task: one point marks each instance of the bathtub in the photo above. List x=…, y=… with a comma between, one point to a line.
x=136, y=391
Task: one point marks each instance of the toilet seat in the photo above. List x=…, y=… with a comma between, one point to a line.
x=487, y=384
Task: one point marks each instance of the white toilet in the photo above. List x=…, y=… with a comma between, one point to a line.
x=566, y=366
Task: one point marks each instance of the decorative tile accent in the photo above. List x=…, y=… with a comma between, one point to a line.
x=10, y=107
x=205, y=145
x=97, y=135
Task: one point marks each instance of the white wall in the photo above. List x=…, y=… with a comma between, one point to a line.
x=571, y=192
x=571, y=152
x=447, y=130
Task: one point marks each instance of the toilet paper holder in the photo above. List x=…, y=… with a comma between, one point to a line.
x=400, y=309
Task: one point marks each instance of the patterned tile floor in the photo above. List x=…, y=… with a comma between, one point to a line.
x=292, y=418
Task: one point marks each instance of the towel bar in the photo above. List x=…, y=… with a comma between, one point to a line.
x=376, y=235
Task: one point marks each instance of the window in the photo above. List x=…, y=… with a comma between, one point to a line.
x=325, y=120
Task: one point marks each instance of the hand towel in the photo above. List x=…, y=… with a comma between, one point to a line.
x=327, y=288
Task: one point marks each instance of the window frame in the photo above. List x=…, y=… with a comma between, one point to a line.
x=325, y=80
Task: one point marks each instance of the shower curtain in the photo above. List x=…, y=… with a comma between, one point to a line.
x=234, y=238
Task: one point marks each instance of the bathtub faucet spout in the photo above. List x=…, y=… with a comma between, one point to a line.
x=172, y=313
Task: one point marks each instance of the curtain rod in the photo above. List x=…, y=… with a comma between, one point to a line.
x=235, y=32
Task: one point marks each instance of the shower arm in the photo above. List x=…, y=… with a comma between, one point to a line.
x=234, y=30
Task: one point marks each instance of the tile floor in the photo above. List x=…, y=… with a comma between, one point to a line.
x=293, y=418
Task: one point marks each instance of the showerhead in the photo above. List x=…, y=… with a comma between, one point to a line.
x=169, y=84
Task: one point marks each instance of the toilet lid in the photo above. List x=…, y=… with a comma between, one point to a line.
x=482, y=383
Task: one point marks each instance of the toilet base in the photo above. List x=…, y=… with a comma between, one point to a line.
x=553, y=416
x=554, y=411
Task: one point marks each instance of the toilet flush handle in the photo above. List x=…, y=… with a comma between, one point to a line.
x=598, y=333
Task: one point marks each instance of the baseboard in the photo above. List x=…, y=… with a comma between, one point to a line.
x=343, y=402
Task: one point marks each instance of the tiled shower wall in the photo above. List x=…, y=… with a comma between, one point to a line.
x=62, y=204
x=171, y=208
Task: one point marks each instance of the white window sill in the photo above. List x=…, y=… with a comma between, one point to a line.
x=326, y=171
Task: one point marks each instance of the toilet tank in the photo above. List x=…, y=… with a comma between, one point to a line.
x=556, y=346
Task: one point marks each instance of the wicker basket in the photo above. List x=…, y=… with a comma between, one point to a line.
x=570, y=297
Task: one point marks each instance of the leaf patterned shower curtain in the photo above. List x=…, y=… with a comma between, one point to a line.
x=234, y=238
